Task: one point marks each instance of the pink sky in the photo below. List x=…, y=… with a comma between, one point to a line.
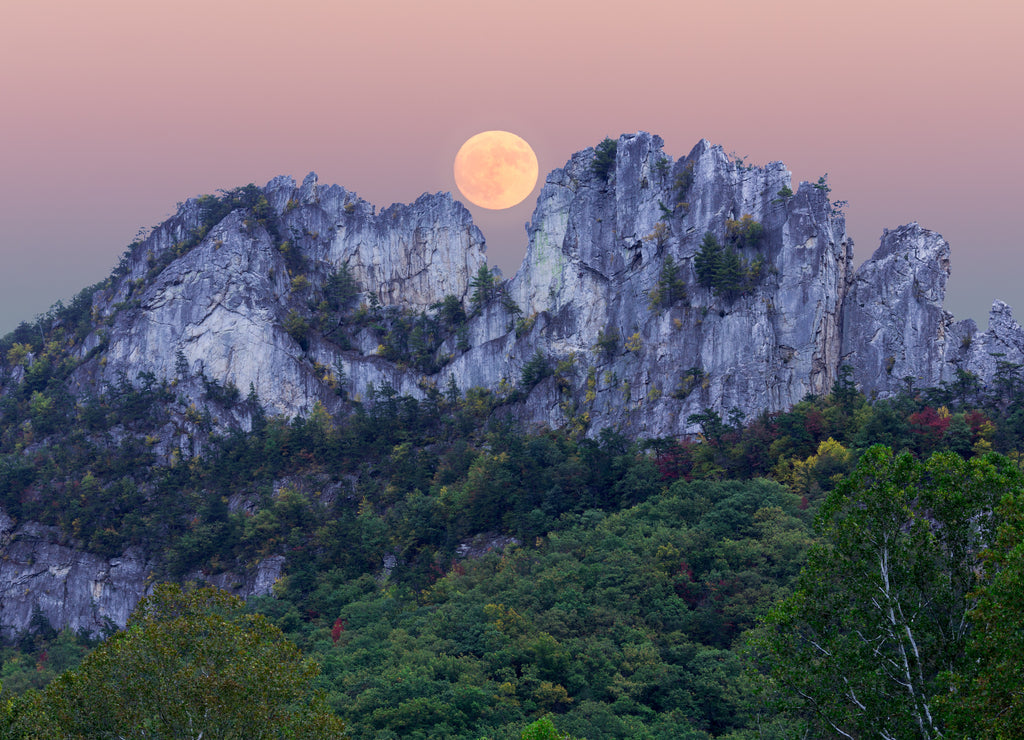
x=115, y=110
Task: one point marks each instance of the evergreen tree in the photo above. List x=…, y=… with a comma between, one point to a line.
x=730, y=277
x=708, y=260
x=485, y=287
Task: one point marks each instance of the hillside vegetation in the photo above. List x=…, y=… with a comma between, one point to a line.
x=454, y=576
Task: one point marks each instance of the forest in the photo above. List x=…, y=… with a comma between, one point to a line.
x=846, y=567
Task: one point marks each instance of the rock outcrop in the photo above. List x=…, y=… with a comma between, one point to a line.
x=895, y=332
x=585, y=298
x=894, y=326
x=614, y=301
x=598, y=245
x=42, y=576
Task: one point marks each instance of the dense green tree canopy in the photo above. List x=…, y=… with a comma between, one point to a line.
x=191, y=664
x=882, y=611
x=986, y=698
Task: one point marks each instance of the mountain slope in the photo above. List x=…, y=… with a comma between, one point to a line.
x=652, y=290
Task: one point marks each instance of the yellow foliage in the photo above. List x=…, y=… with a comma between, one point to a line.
x=549, y=694
x=660, y=235
x=591, y=384
x=806, y=476
x=320, y=420
x=17, y=353
x=504, y=618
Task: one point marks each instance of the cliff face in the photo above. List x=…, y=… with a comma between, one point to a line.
x=614, y=298
x=223, y=306
x=895, y=331
x=598, y=244
x=598, y=249
x=40, y=572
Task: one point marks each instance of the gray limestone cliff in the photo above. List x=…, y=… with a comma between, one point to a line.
x=41, y=573
x=597, y=246
x=895, y=332
x=614, y=299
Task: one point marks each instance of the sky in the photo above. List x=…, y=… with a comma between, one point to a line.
x=113, y=111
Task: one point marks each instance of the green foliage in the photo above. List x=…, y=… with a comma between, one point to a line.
x=224, y=394
x=543, y=729
x=41, y=654
x=534, y=371
x=340, y=289
x=298, y=328
x=683, y=183
x=414, y=338
x=744, y=233
x=707, y=260
x=723, y=270
x=607, y=341
x=249, y=198
x=604, y=158
x=450, y=313
x=882, y=606
x=984, y=698
x=590, y=620
x=618, y=624
x=191, y=663
x=670, y=288
x=485, y=285
x=784, y=194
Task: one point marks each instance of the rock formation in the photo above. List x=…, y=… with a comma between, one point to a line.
x=895, y=331
x=598, y=244
x=42, y=574
x=615, y=300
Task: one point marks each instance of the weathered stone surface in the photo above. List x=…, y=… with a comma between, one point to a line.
x=594, y=256
x=982, y=353
x=893, y=323
x=895, y=332
x=596, y=248
x=41, y=572
x=69, y=587
x=221, y=311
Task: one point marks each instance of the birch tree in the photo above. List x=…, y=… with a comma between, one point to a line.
x=881, y=610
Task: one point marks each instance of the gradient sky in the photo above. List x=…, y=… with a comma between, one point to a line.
x=114, y=110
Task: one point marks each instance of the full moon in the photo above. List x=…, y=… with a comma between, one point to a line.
x=495, y=169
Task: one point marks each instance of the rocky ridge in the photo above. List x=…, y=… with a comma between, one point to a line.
x=610, y=301
x=597, y=246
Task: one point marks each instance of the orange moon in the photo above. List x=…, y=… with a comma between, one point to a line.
x=495, y=169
